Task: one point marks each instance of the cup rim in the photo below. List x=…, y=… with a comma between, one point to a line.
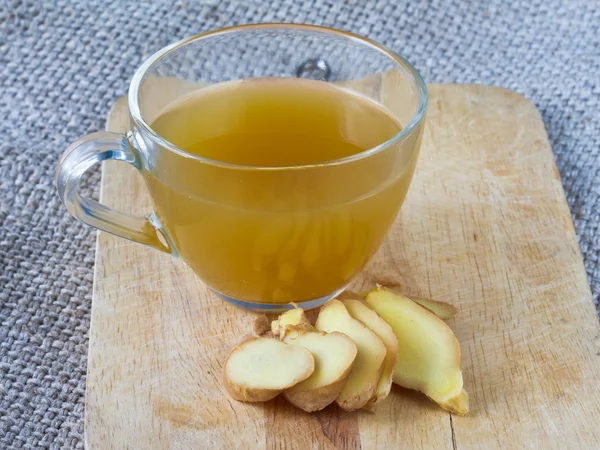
x=140, y=74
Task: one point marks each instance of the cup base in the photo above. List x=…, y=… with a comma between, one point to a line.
x=276, y=308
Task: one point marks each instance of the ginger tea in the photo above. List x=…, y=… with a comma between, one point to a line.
x=264, y=215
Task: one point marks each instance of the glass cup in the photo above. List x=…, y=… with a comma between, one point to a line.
x=261, y=237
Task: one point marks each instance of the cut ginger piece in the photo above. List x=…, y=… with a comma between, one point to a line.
x=334, y=354
x=366, y=371
x=259, y=369
x=294, y=317
x=360, y=311
x=443, y=310
x=428, y=351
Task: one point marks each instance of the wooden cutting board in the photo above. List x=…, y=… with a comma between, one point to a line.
x=485, y=227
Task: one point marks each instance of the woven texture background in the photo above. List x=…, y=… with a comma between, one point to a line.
x=63, y=63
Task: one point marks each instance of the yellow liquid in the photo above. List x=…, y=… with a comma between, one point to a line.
x=277, y=235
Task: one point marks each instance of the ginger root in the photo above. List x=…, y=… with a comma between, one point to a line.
x=259, y=369
x=443, y=310
x=360, y=344
x=334, y=354
x=428, y=351
x=294, y=317
x=382, y=329
x=366, y=371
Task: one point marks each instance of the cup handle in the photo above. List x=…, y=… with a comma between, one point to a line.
x=77, y=160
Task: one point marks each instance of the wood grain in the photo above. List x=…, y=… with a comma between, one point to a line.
x=485, y=227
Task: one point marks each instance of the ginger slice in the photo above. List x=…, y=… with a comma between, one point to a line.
x=443, y=310
x=374, y=322
x=259, y=369
x=368, y=365
x=428, y=351
x=294, y=317
x=334, y=354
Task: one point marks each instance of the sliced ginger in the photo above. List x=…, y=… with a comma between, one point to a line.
x=382, y=329
x=259, y=369
x=294, y=317
x=353, y=354
x=366, y=371
x=443, y=310
x=428, y=351
x=334, y=354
